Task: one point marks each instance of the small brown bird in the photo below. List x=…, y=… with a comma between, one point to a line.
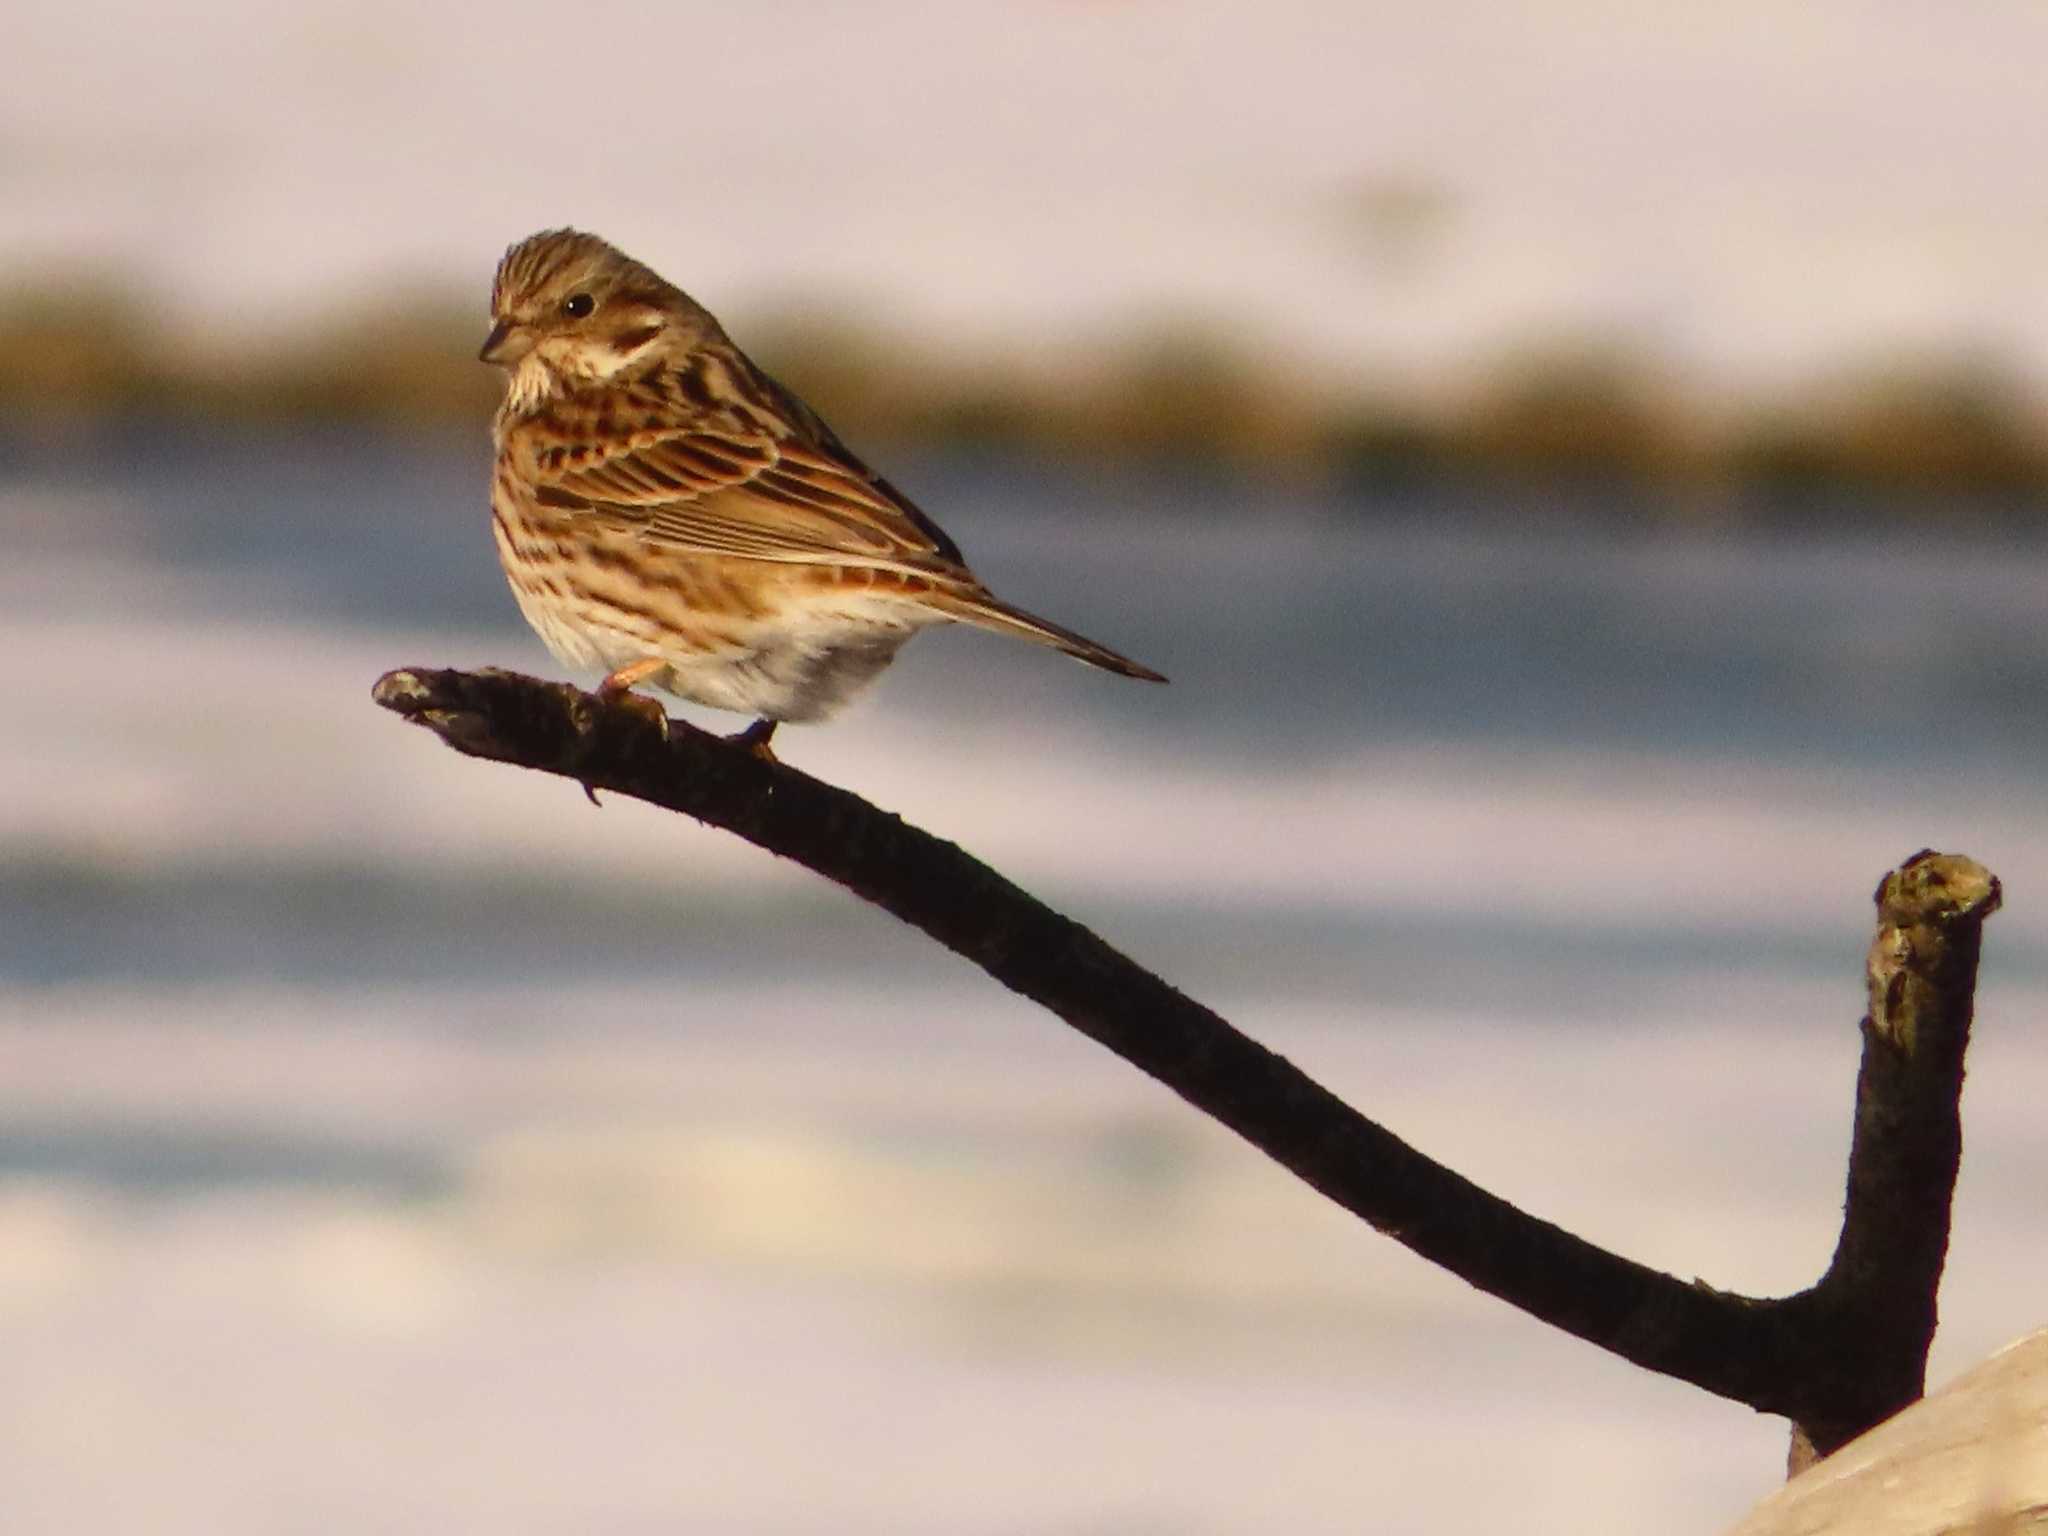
x=667, y=512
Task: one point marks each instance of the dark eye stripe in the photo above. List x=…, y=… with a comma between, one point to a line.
x=633, y=340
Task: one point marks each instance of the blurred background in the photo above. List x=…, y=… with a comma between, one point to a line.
x=1582, y=466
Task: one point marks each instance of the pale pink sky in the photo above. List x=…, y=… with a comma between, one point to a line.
x=1757, y=190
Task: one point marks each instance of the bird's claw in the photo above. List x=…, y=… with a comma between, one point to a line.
x=641, y=707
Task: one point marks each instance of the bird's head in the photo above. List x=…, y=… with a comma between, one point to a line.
x=568, y=310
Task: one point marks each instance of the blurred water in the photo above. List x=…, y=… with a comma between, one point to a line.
x=392, y=1141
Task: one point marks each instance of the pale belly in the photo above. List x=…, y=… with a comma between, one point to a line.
x=740, y=635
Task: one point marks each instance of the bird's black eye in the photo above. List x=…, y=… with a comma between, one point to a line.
x=577, y=305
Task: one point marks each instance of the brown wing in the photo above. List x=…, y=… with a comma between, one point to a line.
x=754, y=475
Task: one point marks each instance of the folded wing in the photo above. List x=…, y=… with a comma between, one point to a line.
x=720, y=484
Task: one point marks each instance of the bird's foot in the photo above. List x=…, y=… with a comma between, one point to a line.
x=755, y=739
x=616, y=692
x=640, y=704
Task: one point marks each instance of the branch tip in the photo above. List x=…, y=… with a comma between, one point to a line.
x=402, y=691
x=1940, y=888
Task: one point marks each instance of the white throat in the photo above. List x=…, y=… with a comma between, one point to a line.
x=531, y=384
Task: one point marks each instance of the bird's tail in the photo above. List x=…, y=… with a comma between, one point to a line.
x=987, y=612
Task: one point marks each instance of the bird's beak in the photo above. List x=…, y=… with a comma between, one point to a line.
x=506, y=344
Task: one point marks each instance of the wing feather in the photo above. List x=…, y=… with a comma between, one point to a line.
x=723, y=484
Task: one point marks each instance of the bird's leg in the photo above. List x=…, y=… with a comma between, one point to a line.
x=616, y=683
x=755, y=739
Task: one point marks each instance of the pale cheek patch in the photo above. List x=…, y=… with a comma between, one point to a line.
x=626, y=343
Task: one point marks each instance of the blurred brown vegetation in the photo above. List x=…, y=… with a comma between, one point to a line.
x=1572, y=413
x=81, y=351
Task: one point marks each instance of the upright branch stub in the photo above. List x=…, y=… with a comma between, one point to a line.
x=1879, y=1293
x=1835, y=1359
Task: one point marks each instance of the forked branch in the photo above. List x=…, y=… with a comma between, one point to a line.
x=1834, y=1359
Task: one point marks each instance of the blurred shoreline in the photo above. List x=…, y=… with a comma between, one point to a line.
x=1582, y=414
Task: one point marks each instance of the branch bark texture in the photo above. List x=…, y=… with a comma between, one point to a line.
x=1834, y=1359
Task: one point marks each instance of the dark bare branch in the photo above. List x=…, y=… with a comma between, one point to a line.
x=1880, y=1289
x=1806, y=1356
